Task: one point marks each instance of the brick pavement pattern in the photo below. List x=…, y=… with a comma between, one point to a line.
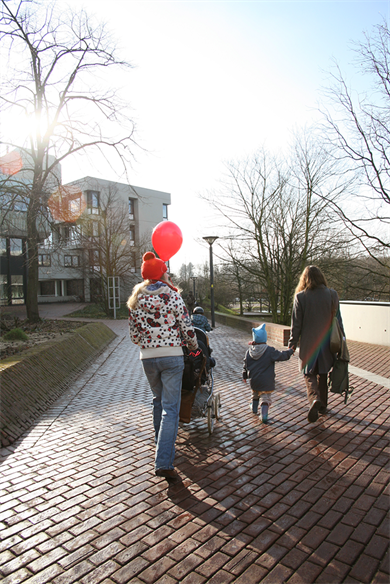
x=288, y=502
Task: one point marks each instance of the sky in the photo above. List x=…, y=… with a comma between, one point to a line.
x=213, y=81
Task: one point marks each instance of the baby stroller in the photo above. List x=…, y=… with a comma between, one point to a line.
x=198, y=399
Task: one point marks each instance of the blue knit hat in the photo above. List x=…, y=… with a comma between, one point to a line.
x=259, y=334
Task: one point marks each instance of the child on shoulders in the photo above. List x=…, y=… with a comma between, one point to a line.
x=259, y=368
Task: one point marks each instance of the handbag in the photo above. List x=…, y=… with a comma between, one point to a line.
x=338, y=378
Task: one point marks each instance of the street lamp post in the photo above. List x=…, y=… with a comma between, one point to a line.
x=210, y=240
x=194, y=278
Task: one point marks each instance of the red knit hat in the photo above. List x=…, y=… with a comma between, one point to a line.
x=152, y=268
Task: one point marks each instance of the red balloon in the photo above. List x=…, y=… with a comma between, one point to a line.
x=167, y=239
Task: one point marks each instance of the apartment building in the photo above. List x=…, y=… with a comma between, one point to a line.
x=15, y=183
x=91, y=220
x=71, y=262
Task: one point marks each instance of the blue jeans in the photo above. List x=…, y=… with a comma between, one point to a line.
x=165, y=377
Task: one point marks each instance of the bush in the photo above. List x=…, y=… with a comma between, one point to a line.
x=15, y=334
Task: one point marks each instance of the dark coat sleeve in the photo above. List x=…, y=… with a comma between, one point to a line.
x=245, y=374
x=281, y=355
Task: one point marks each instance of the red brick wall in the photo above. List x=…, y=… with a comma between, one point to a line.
x=277, y=333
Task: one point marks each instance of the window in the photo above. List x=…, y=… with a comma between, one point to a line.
x=133, y=262
x=17, y=289
x=75, y=288
x=3, y=246
x=48, y=242
x=13, y=202
x=44, y=260
x=19, y=204
x=131, y=209
x=165, y=211
x=95, y=228
x=132, y=235
x=94, y=260
x=71, y=261
x=3, y=289
x=69, y=235
x=55, y=236
x=48, y=288
x=75, y=207
x=93, y=203
x=16, y=248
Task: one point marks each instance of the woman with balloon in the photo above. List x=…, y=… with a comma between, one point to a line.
x=160, y=325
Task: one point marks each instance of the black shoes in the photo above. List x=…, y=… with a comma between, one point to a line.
x=313, y=412
x=170, y=475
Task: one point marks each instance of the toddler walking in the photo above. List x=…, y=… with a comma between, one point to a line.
x=259, y=368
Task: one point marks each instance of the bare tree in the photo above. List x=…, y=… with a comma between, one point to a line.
x=109, y=250
x=242, y=284
x=278, y=220
x=358, y=277
x=54, y=60
x=358, y=129
x=186, y=272
x=104, y=244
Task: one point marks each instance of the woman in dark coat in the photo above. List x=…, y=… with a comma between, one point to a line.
x=314, y=307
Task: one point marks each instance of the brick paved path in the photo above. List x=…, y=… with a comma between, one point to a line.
x=284, y=502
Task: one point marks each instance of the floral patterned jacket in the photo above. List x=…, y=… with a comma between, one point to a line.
x=160, y=324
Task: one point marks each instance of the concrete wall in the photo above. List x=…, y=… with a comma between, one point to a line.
x=33, y=380
x=366, y=322
x=276, y=333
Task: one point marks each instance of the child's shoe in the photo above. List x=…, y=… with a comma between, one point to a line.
x=264, y=413
x=254, y=406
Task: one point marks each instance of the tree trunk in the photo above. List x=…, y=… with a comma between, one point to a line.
x=32, y=263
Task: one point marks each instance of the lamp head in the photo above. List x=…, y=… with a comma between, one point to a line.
x=210, y=239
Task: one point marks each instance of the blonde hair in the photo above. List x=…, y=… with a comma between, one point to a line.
x=140, y=289
x=311, y=278
x=137, y=291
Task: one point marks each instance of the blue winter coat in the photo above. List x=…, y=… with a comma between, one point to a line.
x=200, y=321
x=259, y=366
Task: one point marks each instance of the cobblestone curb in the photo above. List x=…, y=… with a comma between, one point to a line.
x=31, y=381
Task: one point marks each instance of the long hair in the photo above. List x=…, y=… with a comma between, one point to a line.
x=137, y=291
x=311, y=278
x=140, y=289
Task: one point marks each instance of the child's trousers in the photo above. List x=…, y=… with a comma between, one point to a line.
x=265, y=397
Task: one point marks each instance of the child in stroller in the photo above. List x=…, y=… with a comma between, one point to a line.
x=197, y=397
x=199, y=320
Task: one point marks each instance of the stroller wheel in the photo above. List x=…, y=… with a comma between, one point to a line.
x=211, y=415
x=217, y=406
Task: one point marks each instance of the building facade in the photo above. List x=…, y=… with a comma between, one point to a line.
x=15, y=184
x=96, y=228
x=102, y=228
